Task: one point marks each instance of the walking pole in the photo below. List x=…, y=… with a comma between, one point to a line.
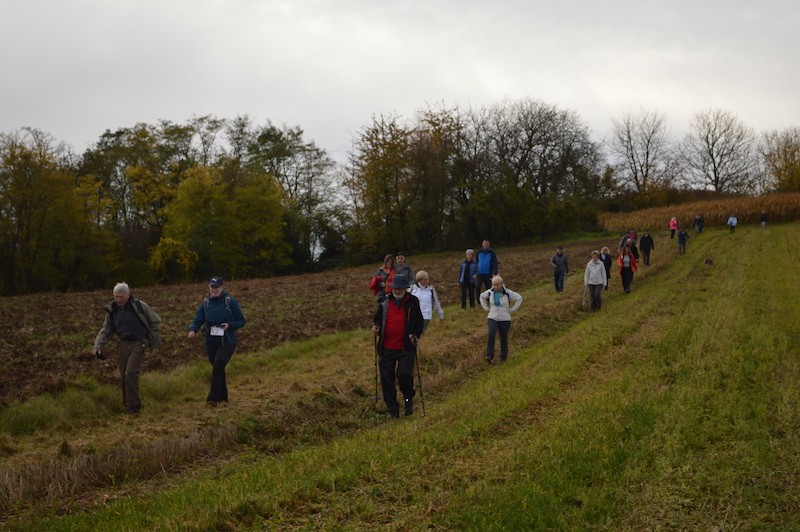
x=375, y=397
x=419, y=378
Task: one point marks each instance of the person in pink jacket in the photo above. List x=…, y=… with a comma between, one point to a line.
x=673, y=226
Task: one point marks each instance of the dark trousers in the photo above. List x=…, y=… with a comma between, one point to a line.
x=558, y=280
x=681, y=248
x=494, y=327
x=646, y=257
x=130, y=354
x=485, y=280
x=396, y=365
x=219, y=356
x=467, y=288
x=627, y=279
x=595, y=295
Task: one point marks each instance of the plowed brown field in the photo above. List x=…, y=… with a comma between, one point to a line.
x=46, y=339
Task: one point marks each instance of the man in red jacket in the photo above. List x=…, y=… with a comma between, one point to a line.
x=398, y=322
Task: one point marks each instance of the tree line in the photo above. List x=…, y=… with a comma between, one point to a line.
x=175, y=202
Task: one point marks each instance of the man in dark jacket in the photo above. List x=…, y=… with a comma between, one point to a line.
x=401, y=267
x=398, y=323
x=646, y=244
x=138, y=327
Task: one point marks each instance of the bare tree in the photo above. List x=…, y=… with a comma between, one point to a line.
x=720, y=153
x=644, y=154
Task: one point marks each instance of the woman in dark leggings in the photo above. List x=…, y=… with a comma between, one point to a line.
x=627, y=265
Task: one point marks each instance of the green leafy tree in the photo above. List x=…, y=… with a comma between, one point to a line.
x=139, y=170
x=432, y=155
x=201, y=217
x=384, y=187
x=781, y=157
x=305, y=174
x=232, y=232
x=47, y=237
x=260, y=221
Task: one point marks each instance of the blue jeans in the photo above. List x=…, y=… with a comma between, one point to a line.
x=558, y=280
x=503, y=327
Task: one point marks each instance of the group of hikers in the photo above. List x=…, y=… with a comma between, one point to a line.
x=404, y=311
x=138, y=327
x=406, y=304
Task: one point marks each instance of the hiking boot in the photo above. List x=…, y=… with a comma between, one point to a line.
x=489, y=360
x=409, y=407
x=394, y=413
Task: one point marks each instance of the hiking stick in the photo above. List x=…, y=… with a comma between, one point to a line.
x=375, y=397
x=419, y=378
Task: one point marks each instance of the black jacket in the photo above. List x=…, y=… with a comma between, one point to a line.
x=646, y=243
x=607, y=263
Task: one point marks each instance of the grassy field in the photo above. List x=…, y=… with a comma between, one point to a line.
x=674, y=407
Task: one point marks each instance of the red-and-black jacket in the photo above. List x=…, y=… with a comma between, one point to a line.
x=414, y=320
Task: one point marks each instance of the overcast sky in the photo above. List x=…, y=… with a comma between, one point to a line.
x=75, y=68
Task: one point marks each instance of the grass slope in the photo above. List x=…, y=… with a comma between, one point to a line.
x=674, y=407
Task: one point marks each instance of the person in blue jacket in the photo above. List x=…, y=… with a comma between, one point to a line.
x=222, y=316
x=468, y=279
x=488, y=265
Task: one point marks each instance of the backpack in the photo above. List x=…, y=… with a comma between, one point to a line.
x=227, y=304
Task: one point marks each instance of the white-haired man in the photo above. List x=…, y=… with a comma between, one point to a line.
x=137, y=327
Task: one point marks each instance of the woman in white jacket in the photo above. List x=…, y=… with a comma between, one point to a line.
x=428, y=299
x=499, y=302
x=595, y=278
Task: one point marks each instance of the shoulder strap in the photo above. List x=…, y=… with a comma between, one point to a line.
x=227, y=304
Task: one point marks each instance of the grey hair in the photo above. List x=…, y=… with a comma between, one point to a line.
x=470, y=252
x=122, y=288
